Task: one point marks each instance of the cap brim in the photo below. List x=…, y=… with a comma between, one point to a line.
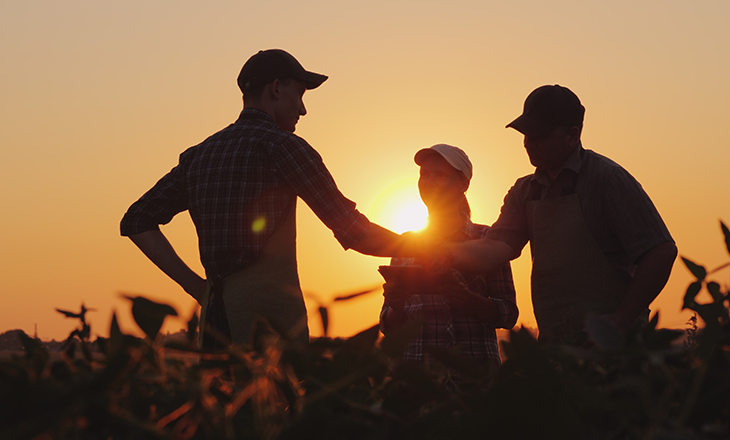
x=422, y=154
x=530, y=127
x=312, y=80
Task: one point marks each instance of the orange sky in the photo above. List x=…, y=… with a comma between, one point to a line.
x=98, y=99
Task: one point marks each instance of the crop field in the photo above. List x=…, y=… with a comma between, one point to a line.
x=650, y=383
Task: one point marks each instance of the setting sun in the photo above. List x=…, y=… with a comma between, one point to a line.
x=399, y=207
x=410, y=217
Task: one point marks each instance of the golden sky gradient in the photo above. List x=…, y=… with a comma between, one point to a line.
x=98, y=99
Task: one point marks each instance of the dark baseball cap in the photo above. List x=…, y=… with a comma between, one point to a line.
x=271, y=64
x=547, y=108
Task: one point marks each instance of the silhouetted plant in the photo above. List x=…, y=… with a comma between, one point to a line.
x=644, y=384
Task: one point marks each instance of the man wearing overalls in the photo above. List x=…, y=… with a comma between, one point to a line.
x=241, y=186
x=599, y=246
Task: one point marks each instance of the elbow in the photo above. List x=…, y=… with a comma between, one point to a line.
x=660, y=255
x=511, y=320
x=674, y=251
x=668, y=252
x=508, y=315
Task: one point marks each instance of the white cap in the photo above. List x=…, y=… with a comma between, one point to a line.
x=454, y=156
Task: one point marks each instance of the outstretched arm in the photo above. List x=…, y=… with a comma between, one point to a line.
x=381, y=242
x=652, y=273
x=158, y=249
x=481, y=256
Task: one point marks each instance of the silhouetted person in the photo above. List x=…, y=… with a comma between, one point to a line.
x=598, y=243
x=461, y=314
x=240, y=186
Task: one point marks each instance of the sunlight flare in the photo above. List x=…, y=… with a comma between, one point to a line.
x=399, y=207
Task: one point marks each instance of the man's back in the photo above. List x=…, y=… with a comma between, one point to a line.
x=239, y=185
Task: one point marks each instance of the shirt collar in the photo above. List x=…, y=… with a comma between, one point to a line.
x=574, y=163
x=254, y=113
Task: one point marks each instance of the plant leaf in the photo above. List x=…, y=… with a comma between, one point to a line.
x=726, y=233
x=364, y=341
x=192, y=333
x=654, y=321
x=458, y=363
x=356, y=294
x=689, y=297
x=116, y=337
x=710, y=313
x=719, y=268
x=324, y=315
x=114, y=331
x=714, y=289
x=149, y=315
x=33, y=347
x=698, y=271
x=662, y=338
x=603, y=333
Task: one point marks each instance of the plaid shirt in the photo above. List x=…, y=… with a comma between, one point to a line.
x=455, y=328
x=239, y=185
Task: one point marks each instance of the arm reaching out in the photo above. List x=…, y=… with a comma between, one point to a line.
x=379, y=242
x=158, y=249
x=382, y=242
x=481, y=256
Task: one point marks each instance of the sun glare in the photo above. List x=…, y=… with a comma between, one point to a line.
x=399, y=207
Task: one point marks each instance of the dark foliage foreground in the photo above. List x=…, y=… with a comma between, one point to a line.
x=644, y=385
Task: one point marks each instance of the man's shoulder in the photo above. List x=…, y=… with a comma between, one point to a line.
x=524, y=180
x=268, y=135
x=596, y=162
x=521, y=187
x=262, y=136
x=604, y=170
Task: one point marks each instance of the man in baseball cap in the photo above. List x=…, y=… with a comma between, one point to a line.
x=268, y=65
x=547, y=108
x=599, y=246
x=241, y=186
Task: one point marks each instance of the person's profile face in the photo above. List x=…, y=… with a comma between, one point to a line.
x=550, y=151
x=440, y=185
x=290, y=105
